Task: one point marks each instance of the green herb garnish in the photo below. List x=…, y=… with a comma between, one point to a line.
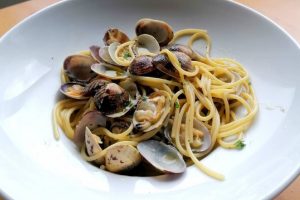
x=144, y=98
x=239, y=144
x=126, y=55
x=177, y=105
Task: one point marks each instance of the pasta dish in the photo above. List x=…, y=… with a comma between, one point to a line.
x=150, y=105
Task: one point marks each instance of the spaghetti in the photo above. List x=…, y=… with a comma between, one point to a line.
x=217, y=93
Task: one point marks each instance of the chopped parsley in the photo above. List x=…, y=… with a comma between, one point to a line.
x=144, y=98
x=250, y=83
x=177, y=105
x=239, y=145
x=126, y=55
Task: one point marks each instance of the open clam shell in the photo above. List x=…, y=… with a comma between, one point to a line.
x=160, y=30
x=114, y=35
x=92, y=120
x=152, y=112
x=108, y=71
x=78, y=67
x=146, y=44
x=113, y=101
x=163, y=157
x=206, y=139
x=199, y=127
x=130, y=86
x=92, y=143
x=105, y=56
x=112, y=49
x=95, y=53
x=74, y=90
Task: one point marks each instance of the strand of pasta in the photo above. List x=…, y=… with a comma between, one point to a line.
x=150, y=81
x=177, y=131
x=120, y=60
x=177, y=65
x=119, y=136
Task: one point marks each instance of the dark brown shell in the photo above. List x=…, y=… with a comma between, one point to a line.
x=95, y=53
x=141, y=65
x=162, y=63
x=78, y=67
x=92, y=120
x=111, y=99
x=119, y=126
x=182, y=48
x=160, y=30
x=95, y=85
x=114, y=35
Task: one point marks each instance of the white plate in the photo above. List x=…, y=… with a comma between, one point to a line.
x=35, y=166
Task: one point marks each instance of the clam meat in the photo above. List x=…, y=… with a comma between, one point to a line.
x=112, y=100
x=151, y=112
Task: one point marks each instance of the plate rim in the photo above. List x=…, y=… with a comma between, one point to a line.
x=287, y=180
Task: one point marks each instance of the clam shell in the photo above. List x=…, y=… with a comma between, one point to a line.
x=163, y=157
x=162, y=31
x=105, y=56
x=92, y=142
x=78, y=67
x=110, y=72
x=206, y=140
x=114, y=35
x=74, y=90
x=95, y=52
x=92, y=120
x=146, y=106
x=112, y=100
x=146, y=44
x=112, y=49
x=141, y=65
x=122, y=158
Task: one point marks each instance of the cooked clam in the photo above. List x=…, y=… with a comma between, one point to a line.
x=74, y=90
x=78, y=67
x=151, y=112
x=160, y=30
x=130, y=86
x=109, y=72
x=112, y=100
x=119, y=125
x=163, y=157
x=122, y=158
x=92, y=143
x=92, y=120
x=146, y=44
x=95, y=52
x=112, y=50
x=105, y=56
x=162, y=63
x=114, y=35
x=201, y=136
x=142, y=65
x=91, y=88
x=183, y=49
